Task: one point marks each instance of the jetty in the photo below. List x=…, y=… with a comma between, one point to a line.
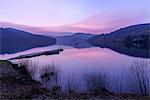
x=50, y=52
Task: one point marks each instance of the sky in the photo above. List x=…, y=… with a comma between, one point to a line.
x=91, y=16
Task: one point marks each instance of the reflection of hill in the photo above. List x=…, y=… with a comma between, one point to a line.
x=123, y=49
x=77, y=40
x=132, y=40
x=13, y=40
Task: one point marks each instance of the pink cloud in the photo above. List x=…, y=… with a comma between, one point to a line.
x=96, y=24
x=105, y=23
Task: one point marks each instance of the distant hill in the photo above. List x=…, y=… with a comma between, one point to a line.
x=77, y=40
x=12, y=40
x=132, y=35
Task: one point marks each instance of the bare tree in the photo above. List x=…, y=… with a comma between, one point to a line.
x=138, y=77
x=72, y=85
x=95, y=80
x=51, y=72
x=118, y=81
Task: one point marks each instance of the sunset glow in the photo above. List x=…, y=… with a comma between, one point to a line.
x=92, y=16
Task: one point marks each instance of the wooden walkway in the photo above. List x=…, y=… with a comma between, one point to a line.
x=50, y=52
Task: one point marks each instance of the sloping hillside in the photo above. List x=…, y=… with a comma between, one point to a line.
x=132, y=35
x=13, y=40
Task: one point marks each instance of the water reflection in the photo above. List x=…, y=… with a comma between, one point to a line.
x=69, y=69
x=118, y=47
x=127, y=50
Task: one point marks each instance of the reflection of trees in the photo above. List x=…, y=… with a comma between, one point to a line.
x=131, y=51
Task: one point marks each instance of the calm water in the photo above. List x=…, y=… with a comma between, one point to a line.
x=74, y=63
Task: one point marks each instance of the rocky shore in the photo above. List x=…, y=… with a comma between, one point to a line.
x=16, y=82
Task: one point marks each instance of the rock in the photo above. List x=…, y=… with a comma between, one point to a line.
x=15, y=83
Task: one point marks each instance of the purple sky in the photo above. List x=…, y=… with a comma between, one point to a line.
x=93, y=16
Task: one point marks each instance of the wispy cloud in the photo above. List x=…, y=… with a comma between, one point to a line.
x=96, y=24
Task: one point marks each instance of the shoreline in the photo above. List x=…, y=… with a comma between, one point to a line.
x=18, y=83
